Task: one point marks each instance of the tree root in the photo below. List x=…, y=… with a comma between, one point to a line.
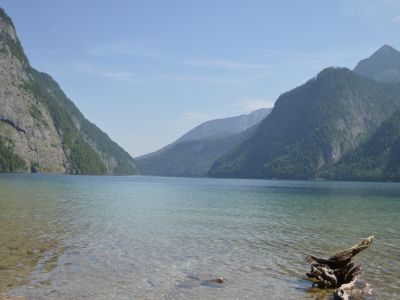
x=340, y=273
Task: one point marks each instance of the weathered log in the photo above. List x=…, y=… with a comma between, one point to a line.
x=324, y=275
x=339, y=272
x=332, y=263
x=353, y=289
x=354, y=250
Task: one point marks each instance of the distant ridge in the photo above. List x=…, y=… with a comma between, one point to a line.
x=225, y=126
x=193, y=153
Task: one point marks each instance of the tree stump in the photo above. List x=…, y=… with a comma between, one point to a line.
x=338, y=272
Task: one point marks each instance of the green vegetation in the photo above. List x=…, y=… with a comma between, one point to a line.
x=125, y=165
x=82, y=146
x=5, y=17
x=190, y=158
x=311, y=127
x=83, y=158
x=9, y=161
x=13, y=45
x=193, y=154
x=334, y=126
x=36, y=113
x=88, y=149
x=383, y=65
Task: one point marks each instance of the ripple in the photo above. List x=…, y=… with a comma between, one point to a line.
x=133, y=237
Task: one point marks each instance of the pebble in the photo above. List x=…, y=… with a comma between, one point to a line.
x=219, y=280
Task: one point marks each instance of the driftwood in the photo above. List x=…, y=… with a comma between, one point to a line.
x=338, y=272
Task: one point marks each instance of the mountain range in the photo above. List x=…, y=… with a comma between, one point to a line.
x=340, y=125
x=40, y=128
x=327, y=127
x=194, y=153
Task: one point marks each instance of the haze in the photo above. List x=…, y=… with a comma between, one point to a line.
x=148, y=71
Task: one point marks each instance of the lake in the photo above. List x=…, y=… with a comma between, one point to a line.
x=82, y=237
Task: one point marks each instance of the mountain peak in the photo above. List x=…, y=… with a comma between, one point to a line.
x=5, y=18
x=383, y=65
x=386, y=49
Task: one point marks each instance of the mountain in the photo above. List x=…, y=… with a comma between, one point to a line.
x=226, y=126
x=193, y=154
x=40, y=128
x=217, y=128
x=377, y=158
x=312, y=127
x=383, y=65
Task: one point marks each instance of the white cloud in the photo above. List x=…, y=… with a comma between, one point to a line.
x=48, y=51
x=190, y=118
x=195, y=116
x=390, y=3
x=122, y=48
x=114, y=75
x=225, y=64
x=396, y=19
x=209, y=79
x=127, y=76
x=248, y=104
x=137, y=50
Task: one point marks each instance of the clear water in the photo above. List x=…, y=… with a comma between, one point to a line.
x=77, y=237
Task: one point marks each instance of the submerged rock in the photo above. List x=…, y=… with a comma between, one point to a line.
x=195, y=281
x=219, y=280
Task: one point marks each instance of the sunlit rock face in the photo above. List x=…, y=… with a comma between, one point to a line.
x=40, y=128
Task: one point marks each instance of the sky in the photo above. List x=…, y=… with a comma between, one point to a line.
x=146, y=72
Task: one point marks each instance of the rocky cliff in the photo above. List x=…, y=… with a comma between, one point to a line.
x=40, y=128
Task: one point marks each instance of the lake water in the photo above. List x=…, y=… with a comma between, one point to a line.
x=78, y=237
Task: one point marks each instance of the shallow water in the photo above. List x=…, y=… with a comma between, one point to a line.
x=66, y=237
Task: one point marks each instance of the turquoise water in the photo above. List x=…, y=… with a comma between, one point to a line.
x=67, y=237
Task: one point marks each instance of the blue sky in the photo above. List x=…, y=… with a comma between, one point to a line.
x=148, y=71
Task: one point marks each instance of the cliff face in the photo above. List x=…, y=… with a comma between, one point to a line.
x=40, y=128
x=377, y=158
x=25, y=124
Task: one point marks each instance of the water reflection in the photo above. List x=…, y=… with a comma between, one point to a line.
x=119, y=237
